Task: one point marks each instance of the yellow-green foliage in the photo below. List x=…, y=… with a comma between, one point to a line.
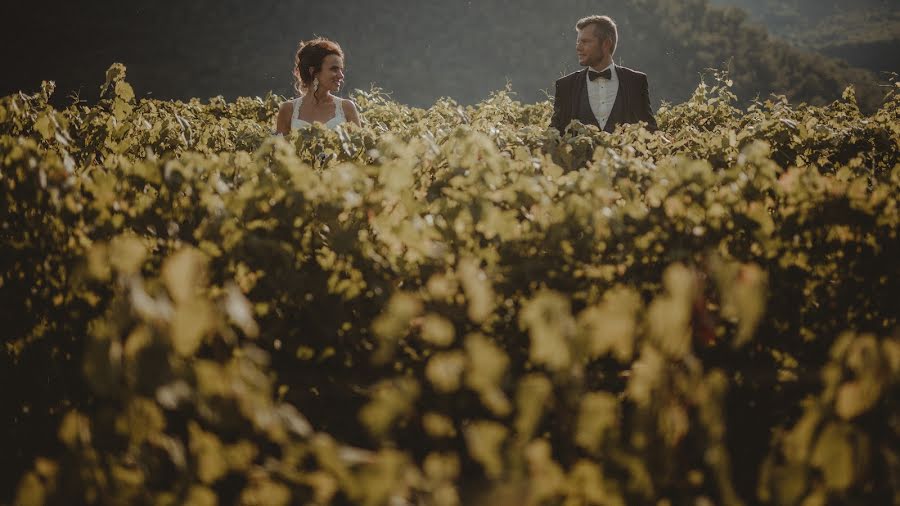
x=450, y=306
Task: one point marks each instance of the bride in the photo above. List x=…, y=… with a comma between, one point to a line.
x=319, y=74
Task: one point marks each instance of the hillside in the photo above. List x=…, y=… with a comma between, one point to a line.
x=864, y=33
x=418, y=51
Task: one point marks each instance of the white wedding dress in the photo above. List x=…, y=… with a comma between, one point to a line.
x=333, y=123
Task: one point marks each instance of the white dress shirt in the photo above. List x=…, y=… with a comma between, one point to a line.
x=602, y=94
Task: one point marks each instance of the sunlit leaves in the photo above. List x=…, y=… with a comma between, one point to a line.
x=870, y=365
x=394, y=322
x=240, y=311
x=548, y=478
x=591, y=318
x=532, y=395
x=208, y=453
x=484, y=440
x=126, y=254
x=743, y=296
x=263, y=490
x=184, y=274
x=834, y=455
x=74, y=430
x=598, y=413
x=487, y=364
x=478, y=290
x=37, y=486
x=669, y=315
x=550, y=325
x=438, y=426
x=193, y=320
x=437, y=330
x=610, y=327
x=646, y=375
x=444, y=371
x=391, y=400
x=824, y=439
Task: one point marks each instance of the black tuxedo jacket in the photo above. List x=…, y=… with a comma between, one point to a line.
x=631, y=106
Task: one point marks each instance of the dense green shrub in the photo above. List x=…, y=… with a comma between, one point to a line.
x=451, y=305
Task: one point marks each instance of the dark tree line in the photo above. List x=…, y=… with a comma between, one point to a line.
x=418, y=50
x=865, y=33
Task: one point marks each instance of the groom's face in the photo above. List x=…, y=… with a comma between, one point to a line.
x=591, y=49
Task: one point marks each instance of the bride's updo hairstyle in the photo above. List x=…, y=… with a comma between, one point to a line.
x=310, y=56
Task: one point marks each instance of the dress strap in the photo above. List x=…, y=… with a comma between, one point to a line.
x=339, y=107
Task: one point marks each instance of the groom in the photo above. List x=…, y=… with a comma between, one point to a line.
x=603, y=94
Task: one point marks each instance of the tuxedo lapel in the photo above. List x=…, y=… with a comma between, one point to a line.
x=581, y=106
x=617, y=114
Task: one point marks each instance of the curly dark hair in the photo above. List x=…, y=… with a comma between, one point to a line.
x=309, y=58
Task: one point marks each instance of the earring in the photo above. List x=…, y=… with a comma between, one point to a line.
x=315, y=85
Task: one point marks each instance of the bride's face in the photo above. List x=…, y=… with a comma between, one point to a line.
x=331, y=77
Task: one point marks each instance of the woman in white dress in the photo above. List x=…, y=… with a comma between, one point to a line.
x=318, y=74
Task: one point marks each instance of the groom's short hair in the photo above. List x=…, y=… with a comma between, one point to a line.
x=604, y=27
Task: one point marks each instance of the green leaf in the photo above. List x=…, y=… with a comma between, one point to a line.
x=484, y=440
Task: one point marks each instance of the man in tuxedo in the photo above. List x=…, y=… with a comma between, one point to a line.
x=603, y=94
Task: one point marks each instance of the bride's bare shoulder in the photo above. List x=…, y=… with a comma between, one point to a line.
x=348, y=105
x=350, y=111
x=283, y=120
x=285, y=107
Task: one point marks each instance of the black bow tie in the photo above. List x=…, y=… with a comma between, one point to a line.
x=593, y=74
